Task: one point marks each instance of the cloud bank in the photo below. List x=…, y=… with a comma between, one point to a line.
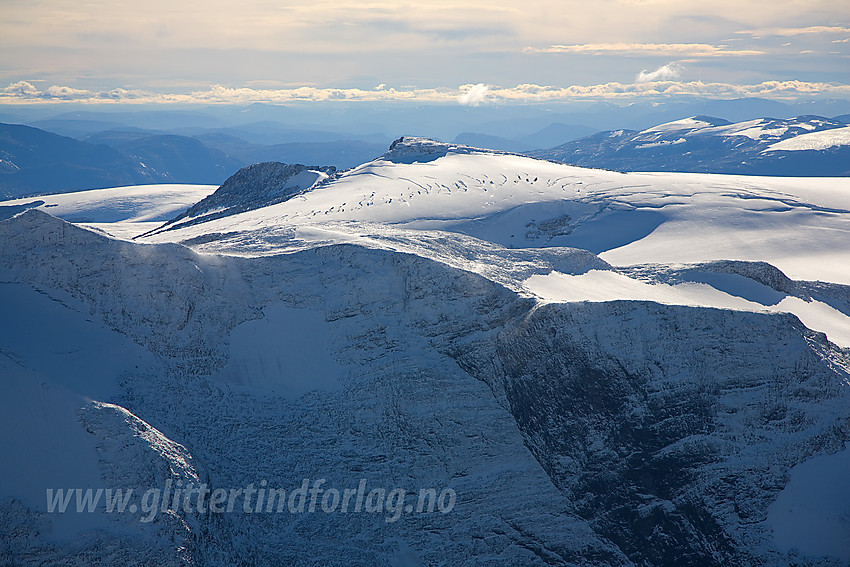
x=657, y=84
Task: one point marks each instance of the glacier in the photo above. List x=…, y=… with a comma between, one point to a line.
x=606, y=368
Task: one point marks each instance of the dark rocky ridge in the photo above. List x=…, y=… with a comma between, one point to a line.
x=252, y=187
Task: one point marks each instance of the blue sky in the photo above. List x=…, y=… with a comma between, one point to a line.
x=470, y=52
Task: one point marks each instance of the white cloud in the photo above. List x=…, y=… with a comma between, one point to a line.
x=21, y=88
x=26, y=90
x=643, y=49
x=120, y=94
x=67, y=93
x=473, y=95
x=795, y=31
x=667, y=72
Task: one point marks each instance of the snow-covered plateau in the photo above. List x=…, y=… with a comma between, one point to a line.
x=605, y=368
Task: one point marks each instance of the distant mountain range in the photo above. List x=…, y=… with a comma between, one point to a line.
x=339, y=153
x=552, y=135
x=270, y=124
x=802, y=146
x=170, y=157
x=34, y=161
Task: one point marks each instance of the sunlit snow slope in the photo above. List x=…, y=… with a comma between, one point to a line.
x=123, y=212
x=799, y=225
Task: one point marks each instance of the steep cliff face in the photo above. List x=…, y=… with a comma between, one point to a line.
x=672, y=428
x=573, y=432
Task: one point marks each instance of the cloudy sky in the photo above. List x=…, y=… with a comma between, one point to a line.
x=436, y=50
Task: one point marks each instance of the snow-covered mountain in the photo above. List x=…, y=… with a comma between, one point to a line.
x=804, y=146
x=605, y=368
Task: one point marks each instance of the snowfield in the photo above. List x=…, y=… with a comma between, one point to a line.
x=123, y=212
x=612, y=286
x=814, y=141
x=800, y=226
x=692, y=123
x=608, y=369
x=753, y=129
